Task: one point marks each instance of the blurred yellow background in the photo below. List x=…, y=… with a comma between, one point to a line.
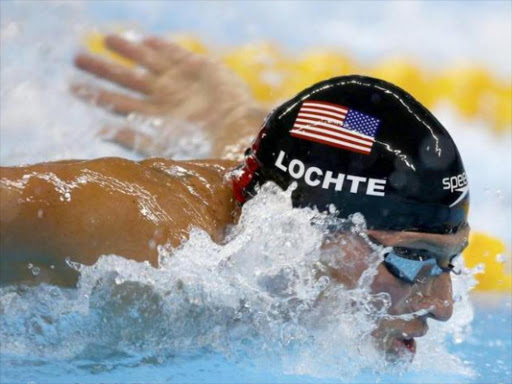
x=272, y=77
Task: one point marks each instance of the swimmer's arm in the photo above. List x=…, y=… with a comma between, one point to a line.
x=177, y=86
x=25, y=236
x=84, y=209
x=44, y=220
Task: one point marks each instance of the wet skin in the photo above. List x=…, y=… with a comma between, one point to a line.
x=430, y=297
x=84, y=209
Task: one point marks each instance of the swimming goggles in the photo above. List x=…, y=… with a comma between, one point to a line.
x=412, y=265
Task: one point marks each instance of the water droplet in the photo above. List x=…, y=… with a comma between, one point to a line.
x=155, y=122
x=73, y=264
x=322, y=283
x=54, y=291
x=480, y=268
x=30, y=265
x=36, y=271
x=40, y=213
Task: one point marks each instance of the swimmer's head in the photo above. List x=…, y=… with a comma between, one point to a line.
x=358, y=144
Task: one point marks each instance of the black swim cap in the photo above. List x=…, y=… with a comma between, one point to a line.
x=363, y=145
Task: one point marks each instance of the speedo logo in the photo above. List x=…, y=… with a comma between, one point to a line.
x=458, y=183
x=316, y=177
x=455, y=183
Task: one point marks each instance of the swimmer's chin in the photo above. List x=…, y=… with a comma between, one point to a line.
x=398, y=339
x=401, y=350
x=397, y=349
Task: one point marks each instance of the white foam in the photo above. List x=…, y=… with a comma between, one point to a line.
x=251, y=296
x=257, y=295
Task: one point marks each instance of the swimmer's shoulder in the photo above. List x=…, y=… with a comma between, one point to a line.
x=206, y=168
x=204, y=189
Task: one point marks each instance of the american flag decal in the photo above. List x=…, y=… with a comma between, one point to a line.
x=336, y=126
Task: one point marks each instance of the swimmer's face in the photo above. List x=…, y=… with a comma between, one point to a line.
x=431, y=296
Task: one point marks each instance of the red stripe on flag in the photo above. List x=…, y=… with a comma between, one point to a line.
x=300, y=125
x=322, y=122
x=329, y=143
x=320, y=115
x=317, y=109
x=335, y=137
x=320, y=103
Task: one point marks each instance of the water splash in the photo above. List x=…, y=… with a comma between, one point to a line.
x=249, y=298
x=262, y=294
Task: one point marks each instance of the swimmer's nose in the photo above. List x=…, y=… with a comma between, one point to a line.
x=437, y=298
x=443, y=295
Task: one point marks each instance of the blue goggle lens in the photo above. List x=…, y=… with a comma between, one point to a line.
x=411, y=270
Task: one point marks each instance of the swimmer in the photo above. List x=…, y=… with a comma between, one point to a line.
x=350, y=144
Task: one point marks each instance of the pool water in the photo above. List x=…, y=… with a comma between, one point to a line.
x=125, y=324
x=487, y=351
x=489, y=346
x=246, y=310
